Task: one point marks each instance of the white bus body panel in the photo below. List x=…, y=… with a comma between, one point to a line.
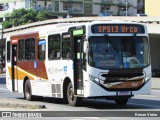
x=91, y=89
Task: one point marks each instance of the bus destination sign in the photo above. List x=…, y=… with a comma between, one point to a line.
x=117, y=28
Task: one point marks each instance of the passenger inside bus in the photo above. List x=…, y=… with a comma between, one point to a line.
x=66, y=53
x=52, y=55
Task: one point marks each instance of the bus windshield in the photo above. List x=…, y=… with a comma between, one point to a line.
x=118, y=52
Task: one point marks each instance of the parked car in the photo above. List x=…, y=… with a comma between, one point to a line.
x=141, y=14
x=104, y=14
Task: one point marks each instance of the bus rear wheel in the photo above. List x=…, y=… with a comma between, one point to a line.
x=121, y=101
x=28, y=91
x=72, y=100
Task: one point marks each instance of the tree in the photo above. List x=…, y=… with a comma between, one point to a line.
x=23, y=16
x=6, y=24
x=42, y=15
x=17, y=17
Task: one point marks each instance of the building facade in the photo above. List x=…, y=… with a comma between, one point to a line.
x=88, y=7
x=7, y=6
x=152, y=7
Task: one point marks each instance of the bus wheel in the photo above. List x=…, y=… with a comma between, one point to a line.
x=72, y=100
x=28, y=91
x=121, y=101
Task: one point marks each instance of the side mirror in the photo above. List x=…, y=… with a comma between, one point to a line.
x=85, y=47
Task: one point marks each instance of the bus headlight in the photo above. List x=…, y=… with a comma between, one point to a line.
x=148, y=77
x=94, y=79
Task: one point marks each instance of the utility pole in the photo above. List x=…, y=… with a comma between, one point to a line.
x=126, y=7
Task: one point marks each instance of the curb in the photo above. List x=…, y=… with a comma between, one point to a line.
x=13, y=103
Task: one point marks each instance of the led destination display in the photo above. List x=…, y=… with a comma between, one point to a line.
x=117, y=28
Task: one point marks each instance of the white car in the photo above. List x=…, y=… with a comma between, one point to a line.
x=104, y=14
x=138, y=15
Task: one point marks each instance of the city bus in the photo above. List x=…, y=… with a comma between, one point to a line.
x=76, y=61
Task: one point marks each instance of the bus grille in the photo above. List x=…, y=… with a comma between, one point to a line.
x=123, y=81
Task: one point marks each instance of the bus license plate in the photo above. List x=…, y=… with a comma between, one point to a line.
x=124, y=93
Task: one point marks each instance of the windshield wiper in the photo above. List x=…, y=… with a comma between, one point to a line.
x=109, y=41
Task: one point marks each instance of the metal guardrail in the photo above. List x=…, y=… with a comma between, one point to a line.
x=148, y=20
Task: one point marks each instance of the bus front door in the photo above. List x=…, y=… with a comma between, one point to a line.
x=78, y=68
x=14, y=68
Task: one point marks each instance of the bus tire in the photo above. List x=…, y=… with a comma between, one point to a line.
x=65, y=100
x=72, y=100
x=121, y=101
x=28, y=91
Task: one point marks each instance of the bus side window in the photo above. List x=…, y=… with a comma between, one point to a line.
x=41, y=49
x=21, y=50
x=30, y=49
x=54, y=47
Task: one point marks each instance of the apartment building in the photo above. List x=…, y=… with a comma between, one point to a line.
x=88, y=7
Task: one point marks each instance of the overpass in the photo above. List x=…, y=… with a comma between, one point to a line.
x=153, y=24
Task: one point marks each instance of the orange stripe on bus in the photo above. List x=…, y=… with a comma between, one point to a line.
x=19, y=74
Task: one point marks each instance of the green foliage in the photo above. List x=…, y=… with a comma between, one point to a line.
x=6, y=24
x=42, y=15
x=25, y=16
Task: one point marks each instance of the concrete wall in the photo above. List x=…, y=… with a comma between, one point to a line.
x=155, y=51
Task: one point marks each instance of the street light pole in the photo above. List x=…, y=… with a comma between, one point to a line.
x=126, y=7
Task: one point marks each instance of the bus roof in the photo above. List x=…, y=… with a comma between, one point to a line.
x=63, y=27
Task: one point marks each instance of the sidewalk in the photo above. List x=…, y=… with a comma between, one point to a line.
x=9, y=103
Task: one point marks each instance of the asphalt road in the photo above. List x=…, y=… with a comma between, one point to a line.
x=97, y=107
